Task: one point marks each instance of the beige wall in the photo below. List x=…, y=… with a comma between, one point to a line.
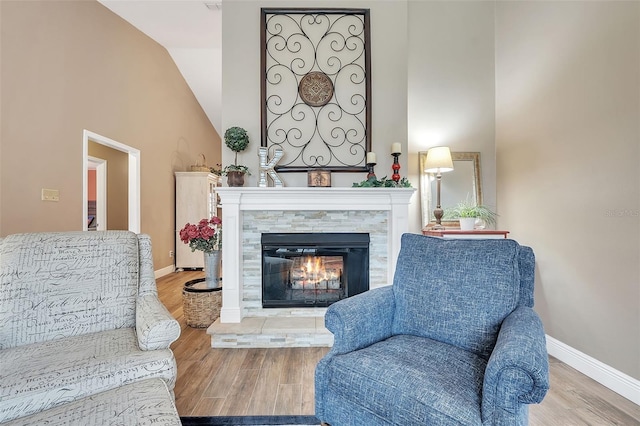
x=74, y=65
x=568, y=149
x=451, y=89
x=241, y=81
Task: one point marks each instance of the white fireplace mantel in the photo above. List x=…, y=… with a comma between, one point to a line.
x=235, y=201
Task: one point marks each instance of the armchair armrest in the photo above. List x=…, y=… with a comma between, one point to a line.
x=361, y=320
x=518, y=370
x=155, y=327
x=356, y=323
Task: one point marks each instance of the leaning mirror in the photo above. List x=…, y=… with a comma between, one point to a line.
x=462, y=182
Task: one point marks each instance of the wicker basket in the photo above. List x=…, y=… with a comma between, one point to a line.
x=201, y=165
x=201, y=308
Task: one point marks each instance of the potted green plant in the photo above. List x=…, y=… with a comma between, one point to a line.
x=236, y=139
x=468, y=212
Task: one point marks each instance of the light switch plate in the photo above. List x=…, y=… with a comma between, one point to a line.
x=50, y=194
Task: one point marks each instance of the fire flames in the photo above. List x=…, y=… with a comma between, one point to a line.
x=317, y=272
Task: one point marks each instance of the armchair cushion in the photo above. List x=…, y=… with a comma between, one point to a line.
x=455, y=291
x=47, y=374
x=447, y=380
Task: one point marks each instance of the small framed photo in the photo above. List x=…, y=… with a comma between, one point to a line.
x=321, y=178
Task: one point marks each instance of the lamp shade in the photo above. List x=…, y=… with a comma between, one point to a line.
x=438, y=160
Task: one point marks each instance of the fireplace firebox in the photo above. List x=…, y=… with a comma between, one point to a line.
x=313, y=269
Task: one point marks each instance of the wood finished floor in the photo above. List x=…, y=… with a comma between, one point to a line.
x=236, y=382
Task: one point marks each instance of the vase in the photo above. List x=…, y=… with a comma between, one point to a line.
x=212, y=268
x=467, y=223
x=235, y=179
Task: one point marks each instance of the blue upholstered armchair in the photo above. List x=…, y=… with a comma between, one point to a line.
x=454, y=341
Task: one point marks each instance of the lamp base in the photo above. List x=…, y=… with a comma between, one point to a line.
x=438, y=213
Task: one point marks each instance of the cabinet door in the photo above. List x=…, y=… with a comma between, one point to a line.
x=213, y=198
x=196, y=199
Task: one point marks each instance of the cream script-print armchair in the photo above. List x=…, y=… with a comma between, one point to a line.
x=79, y=315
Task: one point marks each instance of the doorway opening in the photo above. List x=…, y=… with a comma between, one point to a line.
x=133, y=156
x=97, y=194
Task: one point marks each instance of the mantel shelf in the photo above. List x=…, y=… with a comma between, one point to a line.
x=303, y=198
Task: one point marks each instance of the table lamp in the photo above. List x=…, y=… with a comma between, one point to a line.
x=438, y=161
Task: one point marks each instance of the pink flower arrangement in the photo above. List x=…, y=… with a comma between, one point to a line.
x=205, y=236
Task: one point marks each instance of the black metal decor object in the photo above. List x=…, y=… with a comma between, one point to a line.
x=316, y=88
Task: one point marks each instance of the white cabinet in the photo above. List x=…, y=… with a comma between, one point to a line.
x=196, y=199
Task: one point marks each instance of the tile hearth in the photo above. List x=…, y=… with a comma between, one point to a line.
x=270, y=332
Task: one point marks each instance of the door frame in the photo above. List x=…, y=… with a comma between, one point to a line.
x=133, y=178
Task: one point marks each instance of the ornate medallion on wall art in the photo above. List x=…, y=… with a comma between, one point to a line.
x=316, y=89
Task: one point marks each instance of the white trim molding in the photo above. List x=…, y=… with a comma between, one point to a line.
x=134, y=176
x=613, y=379
x=164, y=271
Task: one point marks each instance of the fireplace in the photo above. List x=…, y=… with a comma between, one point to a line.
x=313, y=269
x=248, y=212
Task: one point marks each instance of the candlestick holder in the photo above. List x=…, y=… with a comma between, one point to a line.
x=371, y=174
x=396, y=167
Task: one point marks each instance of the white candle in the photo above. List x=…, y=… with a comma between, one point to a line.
x=371, y=158
x=396, y=148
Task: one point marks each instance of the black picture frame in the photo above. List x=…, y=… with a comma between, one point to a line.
x=341, y=145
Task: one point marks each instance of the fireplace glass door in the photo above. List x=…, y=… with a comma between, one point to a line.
x=313, y=269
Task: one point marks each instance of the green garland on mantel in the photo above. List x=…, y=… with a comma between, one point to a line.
x=372, y=182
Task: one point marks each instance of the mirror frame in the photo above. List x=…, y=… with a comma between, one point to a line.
x=425, y=196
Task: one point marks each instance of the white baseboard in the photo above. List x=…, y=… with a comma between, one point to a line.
x=613, y=379
x=164, y=271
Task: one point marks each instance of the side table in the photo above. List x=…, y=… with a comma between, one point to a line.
x=457, y=233
x=201, y=304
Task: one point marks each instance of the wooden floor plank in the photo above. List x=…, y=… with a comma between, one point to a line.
x=221, y=382
x=193, y=347
x=238, y=398
x=289, y=399
x=193, y=377
x=254, y=359
x=292, y=368
x=208, y=407
x=263, y=398
x=310, y=359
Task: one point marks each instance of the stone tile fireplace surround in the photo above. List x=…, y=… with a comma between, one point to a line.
x=248, y=212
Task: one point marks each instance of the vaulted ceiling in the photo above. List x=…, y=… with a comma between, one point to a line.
x=191, y=31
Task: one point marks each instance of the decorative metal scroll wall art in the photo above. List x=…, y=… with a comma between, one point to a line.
x=316, y=89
